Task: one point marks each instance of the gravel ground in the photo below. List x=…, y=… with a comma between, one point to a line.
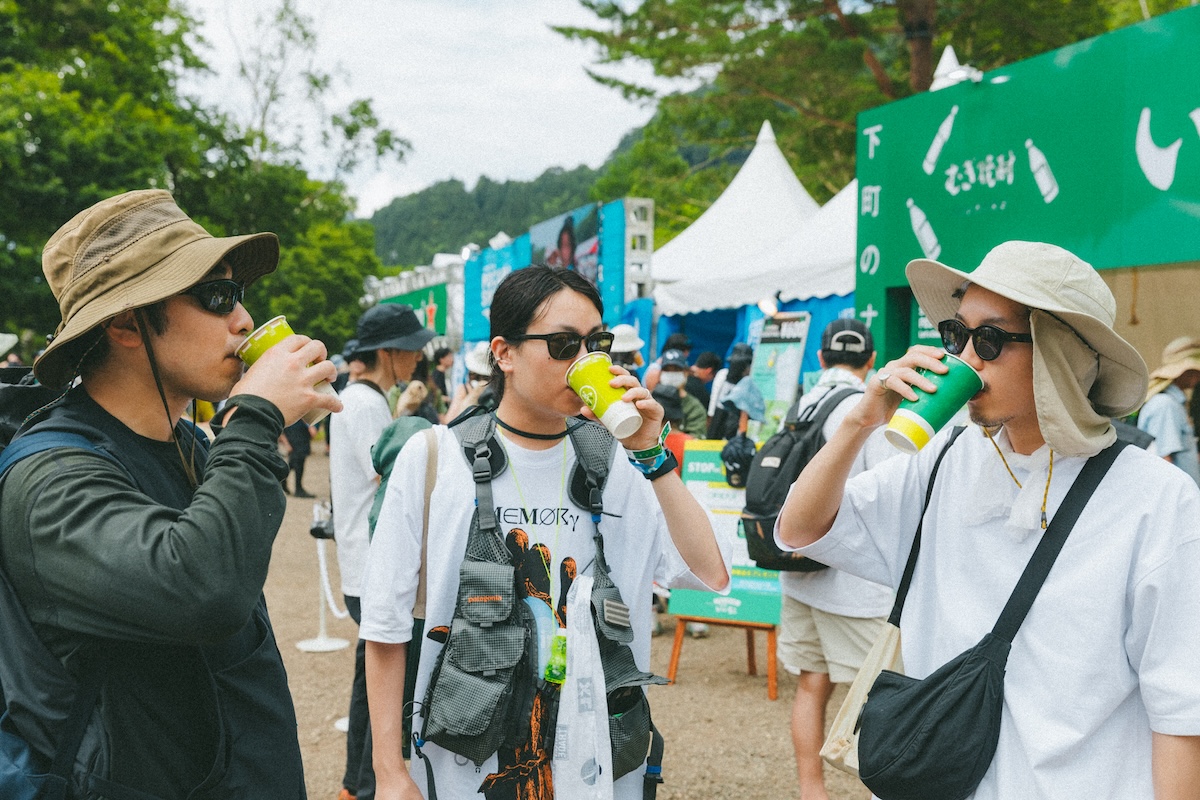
x=724, y=738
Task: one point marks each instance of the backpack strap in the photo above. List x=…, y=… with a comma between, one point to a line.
x=594, y=447
x=39, y=441
x=475, y=435
x=1055, y=536
x=819, y=411
x=911, y=565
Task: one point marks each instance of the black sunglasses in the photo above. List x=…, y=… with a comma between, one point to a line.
x=565, y=344
x=219, y=297
x=988, y=339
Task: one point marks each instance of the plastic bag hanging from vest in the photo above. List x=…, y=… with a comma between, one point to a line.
x=582, y=750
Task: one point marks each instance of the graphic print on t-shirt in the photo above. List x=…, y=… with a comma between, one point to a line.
x=523, y=772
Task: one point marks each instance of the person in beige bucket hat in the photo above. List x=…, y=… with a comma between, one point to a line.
x=1164, y=416
x=1092, y=699
x=136, y=548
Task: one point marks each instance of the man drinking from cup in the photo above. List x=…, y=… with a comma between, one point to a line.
x=139, y=552
x=1096, y=699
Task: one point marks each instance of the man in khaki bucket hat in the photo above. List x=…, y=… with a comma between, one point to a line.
x=1097, y=694
x=1164, y=416
x=136, y=548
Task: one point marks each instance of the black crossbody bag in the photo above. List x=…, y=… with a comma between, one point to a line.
x=933, y=739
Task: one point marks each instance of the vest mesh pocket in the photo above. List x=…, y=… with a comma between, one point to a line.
x=628, y=729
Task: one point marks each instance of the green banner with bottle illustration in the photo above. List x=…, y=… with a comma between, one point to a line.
x=753, y=592
x=1094, y=147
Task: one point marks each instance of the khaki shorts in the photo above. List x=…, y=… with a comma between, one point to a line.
x=817, y=641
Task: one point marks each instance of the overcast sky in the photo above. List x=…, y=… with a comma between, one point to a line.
x=480, y=87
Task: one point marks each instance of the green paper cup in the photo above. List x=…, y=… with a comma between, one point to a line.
x=269, y=334
x=588, y=377
x=916, y=421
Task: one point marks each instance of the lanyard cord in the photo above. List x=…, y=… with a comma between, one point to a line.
x=1049, y=474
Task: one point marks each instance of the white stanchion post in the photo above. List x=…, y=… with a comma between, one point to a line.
x=323, y=643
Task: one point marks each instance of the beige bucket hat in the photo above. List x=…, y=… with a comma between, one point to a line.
x=1084, y=372
x=1179, y=356
x=129, y=251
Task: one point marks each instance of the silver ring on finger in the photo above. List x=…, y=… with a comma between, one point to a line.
x=883, y=376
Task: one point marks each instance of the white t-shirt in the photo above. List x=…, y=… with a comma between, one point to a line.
x=1108, y=652
x=352, y=478
x=530, y=497
x=833, y=590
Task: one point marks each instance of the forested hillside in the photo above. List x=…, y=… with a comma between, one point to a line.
x=446, y=216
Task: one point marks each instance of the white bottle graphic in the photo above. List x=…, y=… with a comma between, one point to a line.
x=939, y=141
x=924, y=231
x=1040, y=168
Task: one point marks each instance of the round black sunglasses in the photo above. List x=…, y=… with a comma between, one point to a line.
x=219, y=296
x=564, y=345
x=988, y=339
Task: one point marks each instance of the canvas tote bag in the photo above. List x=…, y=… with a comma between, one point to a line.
x=841, y=746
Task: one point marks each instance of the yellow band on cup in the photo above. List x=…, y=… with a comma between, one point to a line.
x=906, y=428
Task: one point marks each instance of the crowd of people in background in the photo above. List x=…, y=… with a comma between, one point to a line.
x=191, y=676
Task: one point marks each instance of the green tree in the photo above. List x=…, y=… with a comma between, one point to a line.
x=88, y=107
x=807, y=66
x=319, y=282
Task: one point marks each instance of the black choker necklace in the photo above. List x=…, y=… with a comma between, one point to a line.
x=543, y=436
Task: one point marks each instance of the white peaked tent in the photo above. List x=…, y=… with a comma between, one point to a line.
x=815, y=259
x=763, y=204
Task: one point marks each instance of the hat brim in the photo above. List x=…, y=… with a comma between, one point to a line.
x=1122, y=378
x=1167, y=374
x=412, y=341
x=251, y=256
x=627, y=346
x=7, y=342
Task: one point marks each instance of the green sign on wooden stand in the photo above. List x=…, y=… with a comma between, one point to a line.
x=754, y=593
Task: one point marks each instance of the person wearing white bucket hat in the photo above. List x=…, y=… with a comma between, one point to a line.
x=1164, y=416
x=1095, y=695
x=478, y=362
x=627, y=347
x=140, y=569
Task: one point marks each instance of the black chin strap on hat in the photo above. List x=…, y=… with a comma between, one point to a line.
x=189, y=467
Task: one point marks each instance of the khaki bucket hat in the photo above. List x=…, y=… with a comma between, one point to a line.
x=1178, y=357
x=126, y=252
x=1084, y=372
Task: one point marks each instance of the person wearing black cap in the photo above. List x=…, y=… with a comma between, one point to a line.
x=829, y=619
x=389, y=340
x=676, y=341
x=693, y=418
x=138, y=656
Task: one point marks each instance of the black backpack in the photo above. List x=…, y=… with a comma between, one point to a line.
x=772, y=473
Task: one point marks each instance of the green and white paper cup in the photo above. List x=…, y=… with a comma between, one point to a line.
x=588, y=377
x=916, y=421
x=269, y=334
